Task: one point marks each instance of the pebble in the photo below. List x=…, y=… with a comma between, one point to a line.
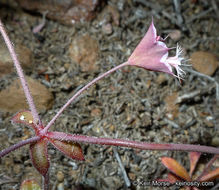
x=109, y=13
x=12, y=98
x=60, y=186
x=66, y=12
x=96, y=112
x=132, y=176
x=161, y=79
x=208, y=123
x=175, y=35
x=204, y=62
x=107, y=29
x=84, y=51
x=112, y=182
x=171, y=107
x=215, y=141
x=17, y=169
x=32, y=174
x=6, y=64
x=60, y=176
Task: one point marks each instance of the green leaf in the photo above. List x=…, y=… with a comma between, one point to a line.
x=30, y=185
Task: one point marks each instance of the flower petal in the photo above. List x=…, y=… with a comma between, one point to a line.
x=148, y=40
x=151, y=53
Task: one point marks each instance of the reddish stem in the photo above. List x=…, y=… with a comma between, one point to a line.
x=78, y=94
x=46, y=181
x=207, y=167
x=132, y=144
x=18, y=145
x=20, y=74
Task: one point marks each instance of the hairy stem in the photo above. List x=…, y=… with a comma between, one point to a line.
x=20, y=74
x=132, y=144
x=79, y=92
x=18, y=145
x=46, y=181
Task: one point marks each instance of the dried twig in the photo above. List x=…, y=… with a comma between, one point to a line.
x=173, y=124
x=159, y=9
x=187, y=96
x=126, y=179
x=177, y=6
x=191, y=95
x=207, y=77
x=198, y=16
x=214, y=5
x=5, y=179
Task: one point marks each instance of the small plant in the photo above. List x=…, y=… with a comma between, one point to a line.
x=30, y=185
x=150, y=54
x=180, y=177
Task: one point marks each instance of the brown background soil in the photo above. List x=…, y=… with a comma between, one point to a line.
x=131, y=103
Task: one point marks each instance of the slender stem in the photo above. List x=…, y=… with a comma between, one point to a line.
x=207, y=77
x=132, y=144
x=20, y=74
x=207, y=167
x=46, y=181
x=79, y=92
x=18, y=145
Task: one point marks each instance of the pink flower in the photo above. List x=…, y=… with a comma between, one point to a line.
x=152, y=54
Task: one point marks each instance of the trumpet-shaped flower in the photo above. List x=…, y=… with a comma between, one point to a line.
x=152, y=54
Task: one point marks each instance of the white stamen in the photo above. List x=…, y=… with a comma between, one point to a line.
x=175, y=62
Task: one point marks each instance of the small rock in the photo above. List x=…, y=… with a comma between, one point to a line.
x=112, y=128
x=60, y=176
x=6, y=63
x=96, y=129
x=66, y=12
x=112, y=182
x=171, y=107
x=215, y=141
x=17, y=169
x=161, y=79
x=109, y=14
x=132, y=176
x=107, y=29
x=96, y=112
x=145, y=120
x=60, y=186
x=208, y=123
x=84, y=51
x=31, y=174
x=175, y=35
x=204, y=62
x=12, y=98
